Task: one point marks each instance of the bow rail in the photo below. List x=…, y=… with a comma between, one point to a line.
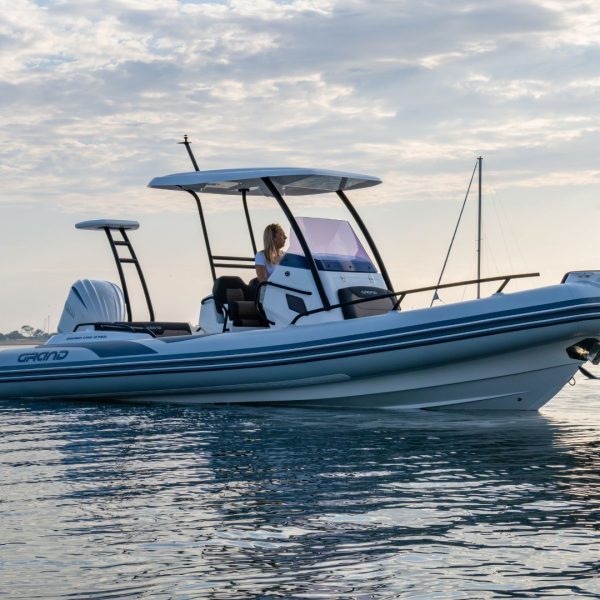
x=505, y=279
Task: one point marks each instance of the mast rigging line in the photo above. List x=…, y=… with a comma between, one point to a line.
x=455, y=232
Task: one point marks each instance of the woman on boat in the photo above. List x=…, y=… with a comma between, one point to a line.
x=267, y=259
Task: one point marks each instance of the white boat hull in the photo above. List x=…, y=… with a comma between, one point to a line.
x=504, y=352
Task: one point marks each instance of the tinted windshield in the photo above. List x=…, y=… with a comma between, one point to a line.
x=333, y=244
x=328, y=237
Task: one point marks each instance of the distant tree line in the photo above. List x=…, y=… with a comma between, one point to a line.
x=27, y=332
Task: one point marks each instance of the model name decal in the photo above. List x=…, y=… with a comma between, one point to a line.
x=43, y=356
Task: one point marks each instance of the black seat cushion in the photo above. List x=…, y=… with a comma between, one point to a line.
x=245, y=314
x=239, y=298
x=252, y=288
x=234, y=295
x=227, y=289
x=379, y=306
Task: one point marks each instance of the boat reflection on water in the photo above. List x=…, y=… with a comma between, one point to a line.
x=247, y=502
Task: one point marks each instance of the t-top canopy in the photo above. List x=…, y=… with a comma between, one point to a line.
x=107, y=224
x=290, y=181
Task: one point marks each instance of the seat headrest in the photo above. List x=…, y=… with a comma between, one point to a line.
x=225, y=283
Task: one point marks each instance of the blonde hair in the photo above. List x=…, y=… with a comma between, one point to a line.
x=271, y=252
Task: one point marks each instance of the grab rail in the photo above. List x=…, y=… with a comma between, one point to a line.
x=504, y=278
x=265, y=283
x=401, y=295
x=283, y=287
x=118, y=326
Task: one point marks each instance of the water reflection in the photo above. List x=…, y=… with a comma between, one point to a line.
x=171, y=502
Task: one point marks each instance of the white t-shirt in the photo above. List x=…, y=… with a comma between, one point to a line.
x=261, y=260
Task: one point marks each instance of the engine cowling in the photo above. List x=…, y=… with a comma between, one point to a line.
x=92, y=301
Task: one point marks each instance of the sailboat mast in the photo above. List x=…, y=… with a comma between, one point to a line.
x=480, y=161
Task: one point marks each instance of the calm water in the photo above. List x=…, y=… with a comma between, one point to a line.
x=115, y=501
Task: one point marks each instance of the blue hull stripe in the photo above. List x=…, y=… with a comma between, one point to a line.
x=113, y=352
x=510, y=317
x=252, y=359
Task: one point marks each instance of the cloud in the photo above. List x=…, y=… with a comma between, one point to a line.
x=95, y=95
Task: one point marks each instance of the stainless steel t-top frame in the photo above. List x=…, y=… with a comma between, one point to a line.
x=230, y=260
x=108, y=226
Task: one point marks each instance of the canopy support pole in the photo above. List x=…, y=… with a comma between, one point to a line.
x=211, y=261
x=245, y=201
x=301, y=239
x=367, y=235
x=133, y=260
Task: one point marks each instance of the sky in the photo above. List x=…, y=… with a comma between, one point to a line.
x=94, y=97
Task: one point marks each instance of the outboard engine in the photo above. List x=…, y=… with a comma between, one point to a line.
x=92, y=301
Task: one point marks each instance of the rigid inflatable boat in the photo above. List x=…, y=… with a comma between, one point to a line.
x=327, y=328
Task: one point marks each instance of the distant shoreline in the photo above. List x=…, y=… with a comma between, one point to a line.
x=24, y=342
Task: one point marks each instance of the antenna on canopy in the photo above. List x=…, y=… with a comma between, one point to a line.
x=187, y=145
